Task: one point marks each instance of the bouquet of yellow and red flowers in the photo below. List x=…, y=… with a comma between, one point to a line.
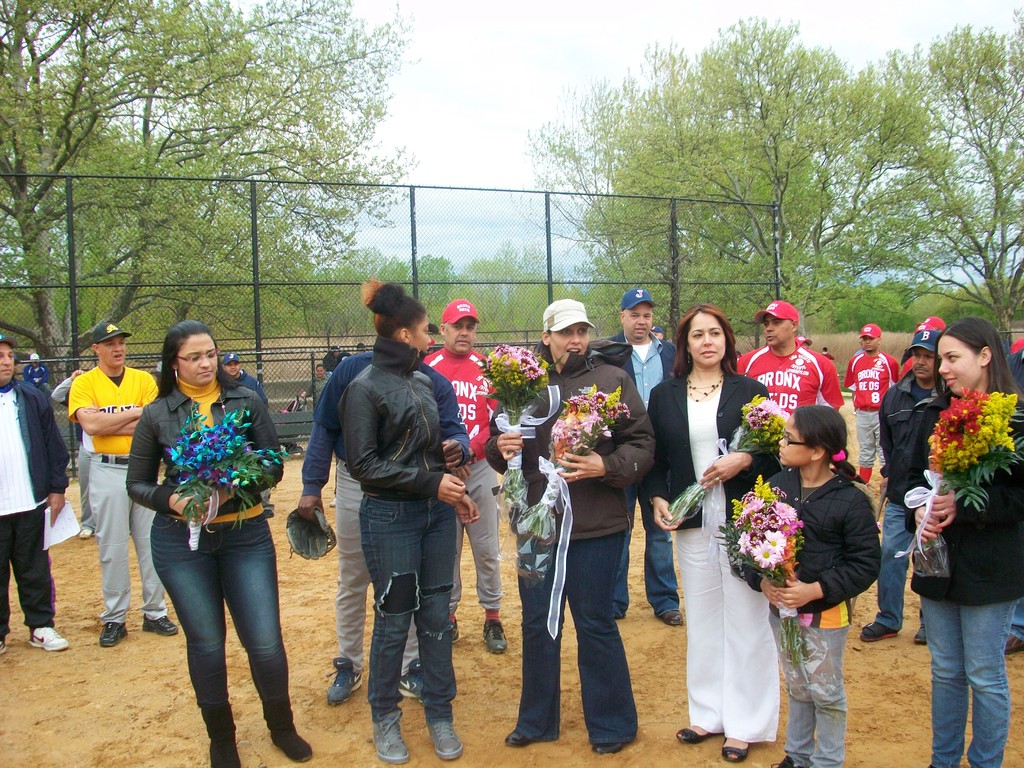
x=766, y=534
x=971, y=442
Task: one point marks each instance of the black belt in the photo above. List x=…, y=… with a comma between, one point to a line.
x=110, y=458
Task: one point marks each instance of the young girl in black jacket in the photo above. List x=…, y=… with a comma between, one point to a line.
x=840, y=559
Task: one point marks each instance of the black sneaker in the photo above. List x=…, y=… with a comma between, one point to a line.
x=494, y=636
x=455, y=630
x=162, y=626
x=921, y=637
x=113, y=633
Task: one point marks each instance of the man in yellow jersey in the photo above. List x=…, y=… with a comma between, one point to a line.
x=107, y=402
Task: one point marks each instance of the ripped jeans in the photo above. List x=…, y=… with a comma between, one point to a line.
x=410, y=553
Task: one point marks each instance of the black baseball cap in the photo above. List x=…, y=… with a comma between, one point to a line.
x=103, y=331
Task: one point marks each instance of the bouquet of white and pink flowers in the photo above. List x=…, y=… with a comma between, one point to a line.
x=766, y=534
x=516, y=377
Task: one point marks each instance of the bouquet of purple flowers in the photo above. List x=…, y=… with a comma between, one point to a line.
x=208, y=459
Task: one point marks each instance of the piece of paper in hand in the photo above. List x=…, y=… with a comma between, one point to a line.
x=65, y=527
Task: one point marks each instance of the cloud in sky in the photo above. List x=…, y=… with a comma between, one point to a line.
x=478, y=77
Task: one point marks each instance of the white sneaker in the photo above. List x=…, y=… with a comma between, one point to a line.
x=3, y=645
x=86, y=533
x=47, y=638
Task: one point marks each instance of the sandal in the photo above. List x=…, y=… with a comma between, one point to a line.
x=735, y=754
x=690, y=736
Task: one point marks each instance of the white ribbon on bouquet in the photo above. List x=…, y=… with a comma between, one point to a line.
x=196, y=526
x=714, y=508
x=922, y=497
x=557, y=495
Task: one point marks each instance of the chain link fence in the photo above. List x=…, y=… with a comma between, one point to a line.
x=275, y=268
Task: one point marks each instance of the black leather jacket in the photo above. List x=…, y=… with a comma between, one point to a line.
x=391, y=426
x=160, y=427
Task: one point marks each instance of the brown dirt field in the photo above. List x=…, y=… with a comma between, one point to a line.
x=133, y=705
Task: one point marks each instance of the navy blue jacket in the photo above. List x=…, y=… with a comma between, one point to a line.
x=47, y=454
x=249, y=381
x=326, y=436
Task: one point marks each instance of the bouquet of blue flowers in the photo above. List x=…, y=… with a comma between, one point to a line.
x=208, y=459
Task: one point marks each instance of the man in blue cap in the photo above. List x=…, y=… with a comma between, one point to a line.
x=651, y=361
x=233, y=366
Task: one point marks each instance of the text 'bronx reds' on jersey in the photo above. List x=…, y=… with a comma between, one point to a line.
x=804, y=377
x=870, y=376
x=467, y=378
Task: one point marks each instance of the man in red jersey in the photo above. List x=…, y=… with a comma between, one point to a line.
x=869, y=374
x=458, y=363
x=793, y=374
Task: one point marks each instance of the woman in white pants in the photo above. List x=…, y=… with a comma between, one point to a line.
x=732, y=678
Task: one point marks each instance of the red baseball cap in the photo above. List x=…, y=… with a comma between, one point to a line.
x=457, y=310
x=780, y=309
x=872, y=331
x=1017, y=346
x=931, y=323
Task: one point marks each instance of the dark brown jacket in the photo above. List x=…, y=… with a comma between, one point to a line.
x=598, y=505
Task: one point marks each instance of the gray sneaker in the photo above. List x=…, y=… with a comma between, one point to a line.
x=387, y=738
x=346, y=680
x=447, y=745
x=410, y=684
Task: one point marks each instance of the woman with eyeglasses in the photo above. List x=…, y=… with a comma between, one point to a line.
x=967, y=614
x=732, y=678
x=234, y=564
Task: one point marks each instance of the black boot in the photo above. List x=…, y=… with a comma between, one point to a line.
x=278, y=715
x=220, y=725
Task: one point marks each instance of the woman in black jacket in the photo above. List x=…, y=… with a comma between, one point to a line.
x=967, y=615
x=732, y=678
x=396, y=452
x=234, y=562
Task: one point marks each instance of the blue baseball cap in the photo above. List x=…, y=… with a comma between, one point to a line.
x=635, y=296
x=926, y=339
x=8, y=340
x=657, y=329
x=231, y=357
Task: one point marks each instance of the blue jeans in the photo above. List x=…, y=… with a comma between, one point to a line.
x=1017, y=620
x=816, y=728
x=966, y=643
x=892, y=578
x=608, y=706
x=236, y=566
x=410, y=553
x=660, y=582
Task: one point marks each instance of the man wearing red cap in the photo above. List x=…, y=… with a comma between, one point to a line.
x=869, y=374
x=794, y=375
x=458, y=363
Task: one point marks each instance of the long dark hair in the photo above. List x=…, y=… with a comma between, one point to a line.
x=393, y=309
x=684, y=361
x=821, y=426
x=175, y=337
x=976, y=333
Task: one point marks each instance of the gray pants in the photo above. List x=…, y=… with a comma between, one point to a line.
x=84, y=462
x=868, y=438
x=117, y=516
x=354, y=578
x=483, y=539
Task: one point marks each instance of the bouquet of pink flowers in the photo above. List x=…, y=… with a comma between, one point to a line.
x=516, y=377
x=762, y=427
x=765, y=534
x=586, y=418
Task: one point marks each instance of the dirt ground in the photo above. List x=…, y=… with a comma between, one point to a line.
x=133, y=705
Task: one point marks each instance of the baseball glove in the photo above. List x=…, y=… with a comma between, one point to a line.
x=311, y=540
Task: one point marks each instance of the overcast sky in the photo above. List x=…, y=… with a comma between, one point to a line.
x=478, y=77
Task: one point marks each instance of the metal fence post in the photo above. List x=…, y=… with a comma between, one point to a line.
x=72, y=270
x=412, y=243
x=547, y=242
x=257, y=320
x=777, y=242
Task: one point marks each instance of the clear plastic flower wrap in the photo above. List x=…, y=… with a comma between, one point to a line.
x=686, y=505
x=932, y=558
